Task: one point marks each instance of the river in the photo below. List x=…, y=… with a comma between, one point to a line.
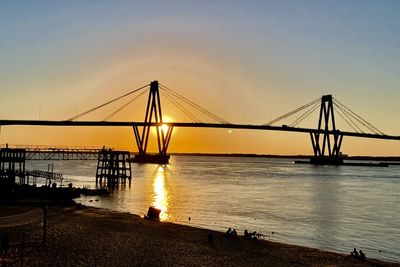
x=326, y=207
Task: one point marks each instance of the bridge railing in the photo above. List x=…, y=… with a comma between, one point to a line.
x=59, y=152
x=53, y=147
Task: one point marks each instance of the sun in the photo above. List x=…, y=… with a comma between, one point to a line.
x=165, y=127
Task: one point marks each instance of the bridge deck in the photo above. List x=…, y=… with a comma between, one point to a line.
x=283, y=128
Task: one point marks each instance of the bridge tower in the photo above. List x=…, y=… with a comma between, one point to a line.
x=153, y=115
x=327, y=140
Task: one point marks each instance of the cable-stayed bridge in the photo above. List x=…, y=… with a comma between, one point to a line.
x=326, y=138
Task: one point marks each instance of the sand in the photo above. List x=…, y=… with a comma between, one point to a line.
x=85, y=236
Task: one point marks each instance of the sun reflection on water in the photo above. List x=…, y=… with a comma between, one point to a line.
x=160, y=193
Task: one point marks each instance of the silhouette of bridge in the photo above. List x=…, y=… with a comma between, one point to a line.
x=326, y=139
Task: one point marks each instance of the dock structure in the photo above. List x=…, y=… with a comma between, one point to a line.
x=113, y=168
x=47, y=152
x=61, y=153
x=12, y=169
x=12, y=165
x=50, y=176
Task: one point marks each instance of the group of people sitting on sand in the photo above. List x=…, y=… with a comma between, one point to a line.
x=231, y=233
x=358, y=255
x=250, y=236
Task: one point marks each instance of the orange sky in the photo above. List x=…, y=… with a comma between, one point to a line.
x=249, y=65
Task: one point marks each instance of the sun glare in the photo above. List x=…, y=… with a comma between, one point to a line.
x=165, y=127
x=160, y=195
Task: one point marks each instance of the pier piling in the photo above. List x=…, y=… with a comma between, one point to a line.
x=113, y=167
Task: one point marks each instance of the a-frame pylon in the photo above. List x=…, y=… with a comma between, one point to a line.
x=153, y=115
x=327, y=141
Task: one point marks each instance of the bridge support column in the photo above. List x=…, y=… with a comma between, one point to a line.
x=153, y=115
x=326, y=141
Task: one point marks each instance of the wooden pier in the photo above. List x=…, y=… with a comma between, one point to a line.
x=12, y=164
x=46, y=152
x=113, y=168
x=50, y=176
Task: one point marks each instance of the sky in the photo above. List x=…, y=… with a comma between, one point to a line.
x=246, y=61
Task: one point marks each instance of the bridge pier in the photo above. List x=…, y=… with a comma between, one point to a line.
x=153, y=115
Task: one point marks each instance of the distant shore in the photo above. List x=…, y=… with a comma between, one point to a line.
x=373, y=158
x=86, y=236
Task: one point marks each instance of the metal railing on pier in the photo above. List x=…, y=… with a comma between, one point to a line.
x=46, y=152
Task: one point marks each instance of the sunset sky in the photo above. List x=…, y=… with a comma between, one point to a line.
x=246, y=61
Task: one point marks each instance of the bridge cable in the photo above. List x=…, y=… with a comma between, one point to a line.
x=293, y=112
x=194, y=105
x=356, y=117
x=351, y=117
x=365, y=123
x=360, y=119
x=105, y=104
x=179, y=106
x=348, y=121
x=304, y=115
x=124, y=106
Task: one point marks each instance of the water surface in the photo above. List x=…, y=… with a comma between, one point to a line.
x=326, y=207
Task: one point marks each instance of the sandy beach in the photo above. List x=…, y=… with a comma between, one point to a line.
x=83, y=236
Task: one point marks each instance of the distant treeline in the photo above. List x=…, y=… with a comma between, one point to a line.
x=380, y=158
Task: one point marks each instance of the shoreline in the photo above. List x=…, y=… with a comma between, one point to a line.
x=79, y=235
x=272, y=156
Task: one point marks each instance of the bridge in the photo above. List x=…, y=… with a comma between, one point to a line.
x=326, y=138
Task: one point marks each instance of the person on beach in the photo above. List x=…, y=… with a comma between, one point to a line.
x=362, y=255
x=229, y=232
x=354, y=253
x=250, y=236
x=246, y=234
